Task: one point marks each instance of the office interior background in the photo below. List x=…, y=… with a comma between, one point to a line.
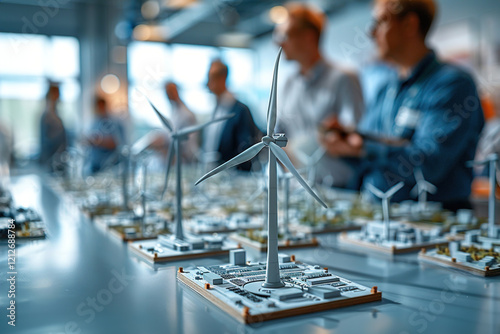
x=114, y=47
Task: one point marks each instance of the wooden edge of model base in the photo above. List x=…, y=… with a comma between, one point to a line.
x=458, y=265
x=158, y=259
x=124, y=238
x=393, y=250
x=247, y=318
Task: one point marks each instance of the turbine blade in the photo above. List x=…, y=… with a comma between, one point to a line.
x=163, y=119
x=317, y=155
x=194, y=128
x=171, y=150
x=303, y=158
x=490, y=157
x=389, y=193
x=272, y=108
x=144, y=142
x=240, y=158
x=415, y=191
x=377, y=192
x=281, y=156
x=429, y=187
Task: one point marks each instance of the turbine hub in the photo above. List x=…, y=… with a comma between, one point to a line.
x=280, y=139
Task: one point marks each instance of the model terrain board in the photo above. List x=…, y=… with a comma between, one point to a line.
x=237, y=289
x=167, y=248
x=28, y=223
x=478, y=253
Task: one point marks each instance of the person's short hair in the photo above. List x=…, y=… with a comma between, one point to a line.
x=307, y=16
x=53, y=87
x=223, y=69
x=425, y=10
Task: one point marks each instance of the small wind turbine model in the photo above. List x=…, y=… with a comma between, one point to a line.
x=129, y=153
x=311, y=163
x=274, y=142
x=385, y=197
x=492, y=160
x=422, y=188
x=177, y=136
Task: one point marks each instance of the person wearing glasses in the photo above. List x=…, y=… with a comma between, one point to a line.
x=319, y=90
x=428, y=116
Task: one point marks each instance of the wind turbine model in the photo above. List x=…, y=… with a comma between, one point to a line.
x=385, y=197
x=311, y=162
x=177, y=136
x=422, y=188
x=492, y=160
x=274, y=142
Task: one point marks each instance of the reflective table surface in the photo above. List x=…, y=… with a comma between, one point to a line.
x=83, y=280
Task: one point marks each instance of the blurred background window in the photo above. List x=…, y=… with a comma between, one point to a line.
x=152, y=64
x=27, y=63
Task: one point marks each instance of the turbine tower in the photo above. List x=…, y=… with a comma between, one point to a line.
x=177, y=136
x=274, y=142
x=385, y=197
x=492, y=160
x=422, y=188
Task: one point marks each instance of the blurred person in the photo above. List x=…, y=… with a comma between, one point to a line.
x=182, y=117
x=428, y=116
x=489, y=142
x=318, y=90
x=5, y=158
x=228, y=138
x=53, y=139
x=106, y=137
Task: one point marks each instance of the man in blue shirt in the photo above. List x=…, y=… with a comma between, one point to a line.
x=428, y=116
x=105, y=140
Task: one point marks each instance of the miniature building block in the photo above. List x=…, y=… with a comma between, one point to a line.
x=283, y=258
x=458, y=229
x=472, y=236
x=463, y=257
x=325, y=292
x=464, y=216
x=237, y=257
x=454, y=247
x=487, y=261
x=207, y=286
x=284, y=294
x=212, y=278
x=181, y=270
x=322, y=280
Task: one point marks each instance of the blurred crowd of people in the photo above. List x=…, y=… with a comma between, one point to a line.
x=411, y=110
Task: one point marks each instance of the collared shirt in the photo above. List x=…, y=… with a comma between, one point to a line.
x=212, y=133
x=306, y=101
x=437, y=109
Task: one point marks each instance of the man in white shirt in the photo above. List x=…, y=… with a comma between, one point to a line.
x=320, y=91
